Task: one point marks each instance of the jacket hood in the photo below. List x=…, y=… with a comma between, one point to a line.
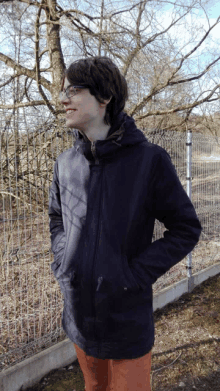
x=123, y=133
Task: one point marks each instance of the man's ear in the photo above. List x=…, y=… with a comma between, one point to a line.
x=106, y=102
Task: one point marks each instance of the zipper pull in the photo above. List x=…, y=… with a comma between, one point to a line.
x=93, y=152
x=100, y=279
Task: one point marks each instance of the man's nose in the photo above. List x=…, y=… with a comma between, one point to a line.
x=64, y=99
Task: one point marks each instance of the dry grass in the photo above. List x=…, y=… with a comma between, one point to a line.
x=187, y=343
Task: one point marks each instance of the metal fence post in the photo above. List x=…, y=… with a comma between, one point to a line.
x=189, y=193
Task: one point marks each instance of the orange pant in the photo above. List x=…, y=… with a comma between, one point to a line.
x=115, y=375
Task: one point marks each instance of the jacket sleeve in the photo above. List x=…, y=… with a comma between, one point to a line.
x=173, y=208
x=58, y=237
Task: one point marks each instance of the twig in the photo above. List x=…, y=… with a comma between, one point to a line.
x=157, y=370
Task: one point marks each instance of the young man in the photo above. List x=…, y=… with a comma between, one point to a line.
x=106, y=193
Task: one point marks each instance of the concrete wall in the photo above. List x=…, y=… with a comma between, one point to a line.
x=30, y=371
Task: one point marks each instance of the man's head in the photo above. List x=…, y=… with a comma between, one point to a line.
x=104, y=80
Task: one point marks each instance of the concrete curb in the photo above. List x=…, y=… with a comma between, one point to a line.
x=175, y=291
x=29, y=372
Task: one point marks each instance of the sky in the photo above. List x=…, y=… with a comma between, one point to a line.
x=215, y=11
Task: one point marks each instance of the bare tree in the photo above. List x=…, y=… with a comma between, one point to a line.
x=137, y=37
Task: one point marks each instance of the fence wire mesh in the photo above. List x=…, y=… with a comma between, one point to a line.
x=30, y=299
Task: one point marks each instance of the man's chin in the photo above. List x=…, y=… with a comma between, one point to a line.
x=71, y=124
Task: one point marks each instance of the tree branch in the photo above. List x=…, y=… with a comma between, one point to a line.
x=160, y=87
x=26, y=88
x=24, y=71
x=189, y=54
x=43, y=52
x=138, y=39
x=195, y=77
x=127, y=10
x=23, y=104
x=148, y=41
x=29, y=2
x=8, y=81
x=80, y=25
x=190, y=106
x=101, y=21
x=62, y=12
x=37, y=60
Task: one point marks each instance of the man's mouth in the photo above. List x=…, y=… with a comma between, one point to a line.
x=69, y=110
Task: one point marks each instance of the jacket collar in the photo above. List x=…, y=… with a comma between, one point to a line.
x=123, y=133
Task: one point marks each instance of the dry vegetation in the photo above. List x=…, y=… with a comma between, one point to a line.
x=187, y=343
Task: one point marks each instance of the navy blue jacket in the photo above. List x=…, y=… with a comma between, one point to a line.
x=104, y=199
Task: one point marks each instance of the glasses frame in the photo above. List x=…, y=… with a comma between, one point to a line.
x=67, y=94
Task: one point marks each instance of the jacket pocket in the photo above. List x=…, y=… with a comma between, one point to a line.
x=126, y=298
x=55, y=266
x=131, y=282
x=59, y=255
x=70, y=287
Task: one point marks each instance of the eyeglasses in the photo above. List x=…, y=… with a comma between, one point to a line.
x=70, y=91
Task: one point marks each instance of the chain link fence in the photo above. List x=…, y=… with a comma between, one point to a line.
x=30, y=298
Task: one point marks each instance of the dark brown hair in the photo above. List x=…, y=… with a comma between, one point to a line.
x=104, y=80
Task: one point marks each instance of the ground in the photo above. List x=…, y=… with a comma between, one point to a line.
x=186, y=354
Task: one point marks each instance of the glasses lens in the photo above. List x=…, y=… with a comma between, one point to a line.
x=70, y=91
x=67, y=93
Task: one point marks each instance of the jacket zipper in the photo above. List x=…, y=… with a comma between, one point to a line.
x=96, y=162
x=94, y=152
x=100, y=279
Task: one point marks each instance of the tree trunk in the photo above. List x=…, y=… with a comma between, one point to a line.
x=55, y=52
